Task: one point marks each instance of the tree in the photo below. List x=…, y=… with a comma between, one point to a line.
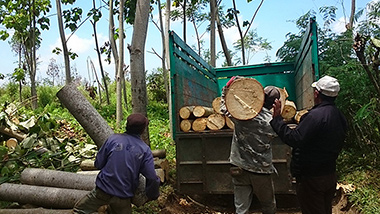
x=27, y=19
x=137, y=50
x=120, y=67
x=233, y=14
x=53, y=70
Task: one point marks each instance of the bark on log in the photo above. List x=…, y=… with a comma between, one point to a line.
x=202, y=111
x=185, y=125
x=36, y=211
x=200, y=124
x=85, y=113
x=74, y=181
x=216, y=105
x=49, y=197
x=245, y=98
x=289, y=110
x=53, y=178
x=159, y=153
x=216, y=121
x=229, y=123
x=87, y=165
x=186, y=112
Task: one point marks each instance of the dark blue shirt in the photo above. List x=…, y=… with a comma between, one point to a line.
x=316, y=141
x=121, y=159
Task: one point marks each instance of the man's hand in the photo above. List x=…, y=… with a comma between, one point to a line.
x=276, y=108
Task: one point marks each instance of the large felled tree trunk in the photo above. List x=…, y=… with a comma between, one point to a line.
x=35, y=211
x=137, y=53
x=53, y=178
x=85, y=113
x=49, y=197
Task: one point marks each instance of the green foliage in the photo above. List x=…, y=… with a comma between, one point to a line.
x=156, y=86
x=367, y=189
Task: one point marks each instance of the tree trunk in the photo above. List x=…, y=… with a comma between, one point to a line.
x=352, y=16
x=100, y=58
x=240, y=33
x=59, y=179
x=184, y=20
x=120, y=68
x=212, y=33
x=49, y=197
x=223, y=40
x=85, y=113
x=137, y=53
x=63, y=41
x=167, y=28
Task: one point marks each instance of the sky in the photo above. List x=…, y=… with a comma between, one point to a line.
x=273, y=22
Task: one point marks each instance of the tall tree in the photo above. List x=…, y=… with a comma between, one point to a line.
x=137, y=53
x=212, y=32
x=64, y=42
x=23, y=17
x=120, y=67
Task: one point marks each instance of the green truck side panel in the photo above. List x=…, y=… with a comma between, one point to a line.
x=202, y=157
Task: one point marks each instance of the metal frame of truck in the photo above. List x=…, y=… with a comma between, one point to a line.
x=202, y=157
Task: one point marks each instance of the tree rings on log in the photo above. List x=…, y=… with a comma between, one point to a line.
x=289, y=110
x=202, y=111
x=245, y=98
x=200, y=124
x=229, y=123
x=185, y=125
x=216, y=121
x=216, y=105
x=299, y=114
x=186, y=112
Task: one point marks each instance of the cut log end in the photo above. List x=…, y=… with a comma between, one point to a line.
x=200, y=124
x=216, y=121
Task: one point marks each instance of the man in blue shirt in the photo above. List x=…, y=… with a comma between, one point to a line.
x=316, y=143
x=121, y=159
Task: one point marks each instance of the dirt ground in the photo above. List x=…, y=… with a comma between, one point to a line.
x=223, y=204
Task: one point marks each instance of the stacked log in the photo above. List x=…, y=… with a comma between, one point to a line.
x=204, y=118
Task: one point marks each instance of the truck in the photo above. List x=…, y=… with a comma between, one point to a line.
x=202, y=164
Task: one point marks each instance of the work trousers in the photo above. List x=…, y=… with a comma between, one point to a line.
x=97, y=198
x=316, y=194
x=248, y=184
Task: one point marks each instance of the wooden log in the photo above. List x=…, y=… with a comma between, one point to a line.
x=244, y=98
x=229, y=123
x=36, y=211
x=283, y=96
x=186, y=112
x=11, y=143
x=185, y=125
x=299, y=114
x=199, y=124
x=216, y=105
x=159, y=153
x=53, y=178
x=49, y=197
x=162, y=164
x=92, y=122
x=289, y=110
x=9, y=132
x=87, y=165
x=202, y=111
x=216, y=121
